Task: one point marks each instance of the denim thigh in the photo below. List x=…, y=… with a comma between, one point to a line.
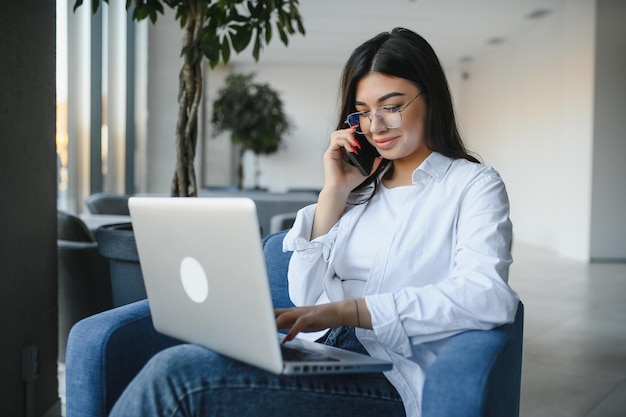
x=189, y=380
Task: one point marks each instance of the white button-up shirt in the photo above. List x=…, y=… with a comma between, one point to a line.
x=441, y=270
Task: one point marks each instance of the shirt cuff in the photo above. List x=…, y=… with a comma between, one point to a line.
x=298, y=237
x=387, y=324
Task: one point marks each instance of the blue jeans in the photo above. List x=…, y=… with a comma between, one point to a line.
x=188, y=380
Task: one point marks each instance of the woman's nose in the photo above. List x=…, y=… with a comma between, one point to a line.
x=377, y=123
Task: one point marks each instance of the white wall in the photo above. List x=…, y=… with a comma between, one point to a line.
x=216, y=153
x=528, y=111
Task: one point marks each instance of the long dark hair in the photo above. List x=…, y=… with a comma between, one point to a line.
x=405, y=54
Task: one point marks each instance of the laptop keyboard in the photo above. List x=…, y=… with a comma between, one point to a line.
x=298, y=355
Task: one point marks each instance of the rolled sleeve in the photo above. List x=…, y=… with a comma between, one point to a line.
x=309, y=262
x=387, y=323
x=298, y=238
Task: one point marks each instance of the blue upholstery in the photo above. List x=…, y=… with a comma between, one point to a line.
x=277, y=263
x=477, y=374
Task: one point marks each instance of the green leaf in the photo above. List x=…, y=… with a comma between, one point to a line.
x=95, y=4
x=289, y=24
x=211, y=50
x=282, y=34
x=145, y=9
x=225, y=50
x=181, y=16
x=257, y=47
x=240, y=19
x=158, y=6
x=193, y=54
x=300, y=25
x=241, y=38
x=268, y=32
x=141, y=12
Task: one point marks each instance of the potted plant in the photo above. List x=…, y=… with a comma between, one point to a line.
x=254, y=115
x=211, y=29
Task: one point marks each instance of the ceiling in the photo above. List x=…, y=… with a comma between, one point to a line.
x=457, y=29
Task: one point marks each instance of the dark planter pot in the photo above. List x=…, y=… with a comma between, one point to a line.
x=116, y=242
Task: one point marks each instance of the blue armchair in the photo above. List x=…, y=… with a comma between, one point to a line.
x=477, y=374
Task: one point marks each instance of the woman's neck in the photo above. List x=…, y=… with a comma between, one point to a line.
x=403, y=170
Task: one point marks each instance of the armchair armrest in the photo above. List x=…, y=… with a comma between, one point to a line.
x=104, y=353
x=477, y=374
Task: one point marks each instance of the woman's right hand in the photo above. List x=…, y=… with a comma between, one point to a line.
x=340, y=177
x=339, y=174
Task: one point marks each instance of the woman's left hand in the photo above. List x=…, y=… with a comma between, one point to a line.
x=321, y=317
x=307, y=319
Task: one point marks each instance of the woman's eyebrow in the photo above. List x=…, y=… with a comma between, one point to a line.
x=382, y=98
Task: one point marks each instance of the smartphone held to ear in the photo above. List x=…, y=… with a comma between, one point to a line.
x=364, y=160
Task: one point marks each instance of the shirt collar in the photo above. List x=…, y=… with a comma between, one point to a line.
x=436, y=165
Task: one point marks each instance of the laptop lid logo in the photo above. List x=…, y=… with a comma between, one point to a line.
x=194, y=280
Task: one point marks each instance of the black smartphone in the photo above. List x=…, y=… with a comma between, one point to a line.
x=364, y=160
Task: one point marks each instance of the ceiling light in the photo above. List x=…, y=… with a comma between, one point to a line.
x=496, y=40
x=538, y=14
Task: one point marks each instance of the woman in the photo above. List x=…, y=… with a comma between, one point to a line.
x=393, y=263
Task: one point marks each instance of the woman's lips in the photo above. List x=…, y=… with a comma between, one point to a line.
x=385, y=143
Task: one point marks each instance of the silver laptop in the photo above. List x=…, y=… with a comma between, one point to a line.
x=204, y=271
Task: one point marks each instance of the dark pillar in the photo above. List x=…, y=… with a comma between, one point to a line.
x=28, y=283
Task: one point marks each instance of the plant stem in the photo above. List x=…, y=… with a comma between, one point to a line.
x=189, y=95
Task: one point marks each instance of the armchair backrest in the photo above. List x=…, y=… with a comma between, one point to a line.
x=72, y=228
x=108, y=203
x=277, y=263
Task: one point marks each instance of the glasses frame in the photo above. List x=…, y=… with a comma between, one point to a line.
x=370, y=116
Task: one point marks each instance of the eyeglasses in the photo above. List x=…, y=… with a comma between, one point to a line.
x=389, y=116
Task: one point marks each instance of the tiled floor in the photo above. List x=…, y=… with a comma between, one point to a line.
x=575, y=336
x=574, y=361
